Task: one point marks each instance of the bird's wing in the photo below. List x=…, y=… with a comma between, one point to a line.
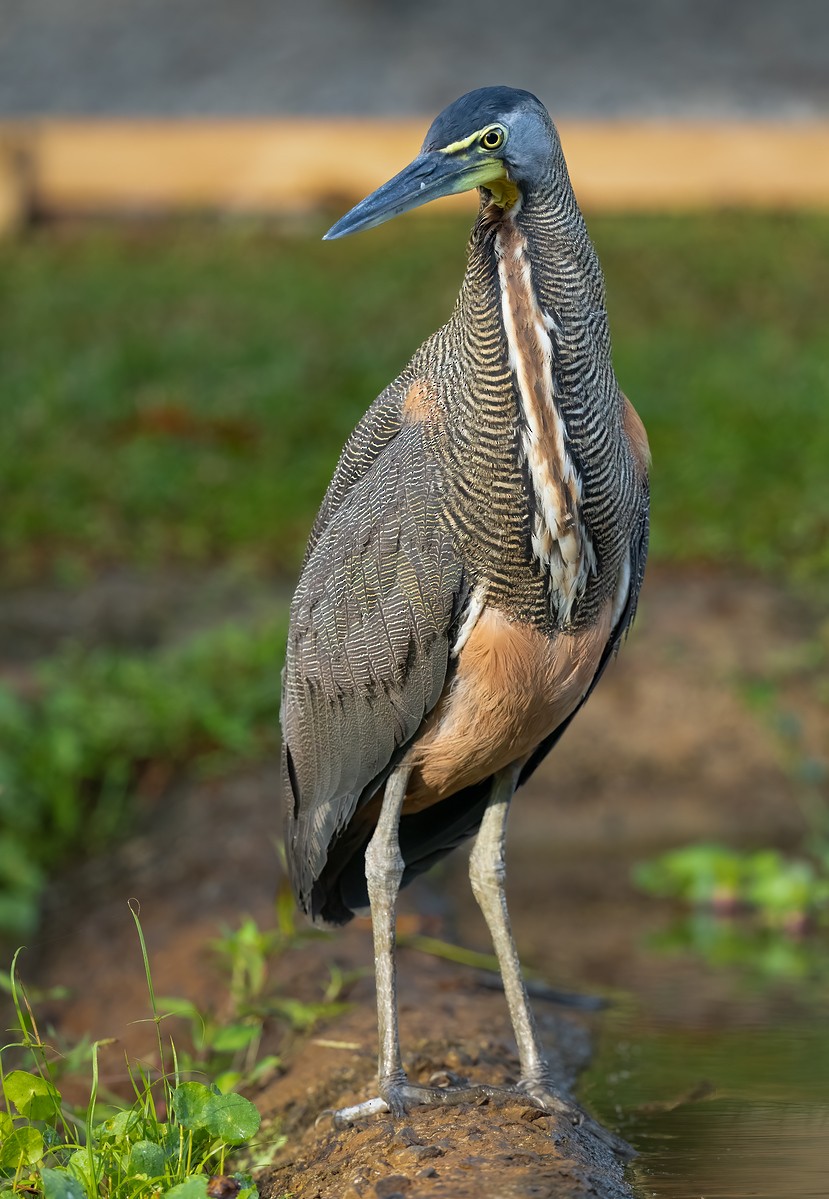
x=368, y=644
x=379, y=426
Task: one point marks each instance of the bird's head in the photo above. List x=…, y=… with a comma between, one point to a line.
x=499, y=138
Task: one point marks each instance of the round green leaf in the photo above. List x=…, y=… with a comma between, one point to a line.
x=24, y=1146
x=117, y=1127
x=231, y=1118
x=146, y=1158
x=85, y=1166
x=191, y=1101
x=32, y=1095
x=194, y=1187
x=59, y=1184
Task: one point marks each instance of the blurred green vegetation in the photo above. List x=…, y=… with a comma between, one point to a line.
x=182, y=392
x=786, y=894
x=72, y=756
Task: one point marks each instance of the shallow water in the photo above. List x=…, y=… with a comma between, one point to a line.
x=719, y=1113
x=713, y=1057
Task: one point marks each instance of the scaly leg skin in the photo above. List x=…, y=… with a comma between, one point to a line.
x=487, y=874
x=384, y=871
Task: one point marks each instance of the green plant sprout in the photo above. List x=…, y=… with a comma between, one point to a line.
x=767, y=892
x=226, y=1042
x=173, y=1138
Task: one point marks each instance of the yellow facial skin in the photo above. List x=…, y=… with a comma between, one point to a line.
x=459, y=167
x=487, y=171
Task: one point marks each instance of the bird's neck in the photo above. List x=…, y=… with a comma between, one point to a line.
x=546, y=228
x=534, y=287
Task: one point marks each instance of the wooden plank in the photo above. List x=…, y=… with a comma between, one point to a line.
x=117, y=167
x=644, y=166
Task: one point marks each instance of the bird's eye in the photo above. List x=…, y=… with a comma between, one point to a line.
x=493, y=139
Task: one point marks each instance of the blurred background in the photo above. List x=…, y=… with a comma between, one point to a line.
x=181, y=361
x=254, y=58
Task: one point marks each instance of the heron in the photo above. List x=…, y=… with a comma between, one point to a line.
x=475, y=563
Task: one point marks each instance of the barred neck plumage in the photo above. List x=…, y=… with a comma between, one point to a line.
x=567, y=281
x=545, y=343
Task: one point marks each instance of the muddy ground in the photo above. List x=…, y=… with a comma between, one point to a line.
x=667, y=751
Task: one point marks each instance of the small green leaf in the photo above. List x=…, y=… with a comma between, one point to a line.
x=52, y=1139
x=6, y=1125
x=33, y=1096
x=190, y=1104
x=118, y=1126
x=249, y=1189
x=232, y=1118
x=305, y=1015
x=266, y=1065
x=24, y=1146
x=194, y=1187
x=85, y=1167
x=59, y=1184
x=233, y=1037
x=173, y=1006
x=228, y=1080
x=147, y=1159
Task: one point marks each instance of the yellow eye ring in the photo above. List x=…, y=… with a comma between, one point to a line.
x=492, y=139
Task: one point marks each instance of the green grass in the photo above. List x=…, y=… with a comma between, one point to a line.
x=182, y=393
x=183, y=1124
x=172, y=1137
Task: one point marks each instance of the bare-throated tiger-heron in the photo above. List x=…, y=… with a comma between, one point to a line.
x=476, y=560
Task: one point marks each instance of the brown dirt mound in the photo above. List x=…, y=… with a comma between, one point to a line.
x=509, y=1149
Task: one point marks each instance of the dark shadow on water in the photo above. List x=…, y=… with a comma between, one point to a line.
x=720, y=1112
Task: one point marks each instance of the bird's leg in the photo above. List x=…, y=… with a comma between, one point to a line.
x=384, y=871
x=487, y=875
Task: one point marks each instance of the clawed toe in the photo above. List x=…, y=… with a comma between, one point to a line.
x=398, y=1098
x=445, y=1078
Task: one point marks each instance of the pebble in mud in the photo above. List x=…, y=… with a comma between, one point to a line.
x=421, y=1152
x=391, y=1187
x=357, y=1188
x=405, y=1136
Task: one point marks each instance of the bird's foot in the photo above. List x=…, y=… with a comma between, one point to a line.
x=547, y=1099
x=400, y=1096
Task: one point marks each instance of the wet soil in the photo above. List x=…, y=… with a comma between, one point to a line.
x=667, y=751
x=450, y=1021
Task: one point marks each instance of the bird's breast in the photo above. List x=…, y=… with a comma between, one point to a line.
x=512, y=687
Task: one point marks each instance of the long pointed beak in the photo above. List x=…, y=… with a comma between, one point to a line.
x=431, y=175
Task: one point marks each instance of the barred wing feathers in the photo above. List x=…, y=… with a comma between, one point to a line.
x=368, y=645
